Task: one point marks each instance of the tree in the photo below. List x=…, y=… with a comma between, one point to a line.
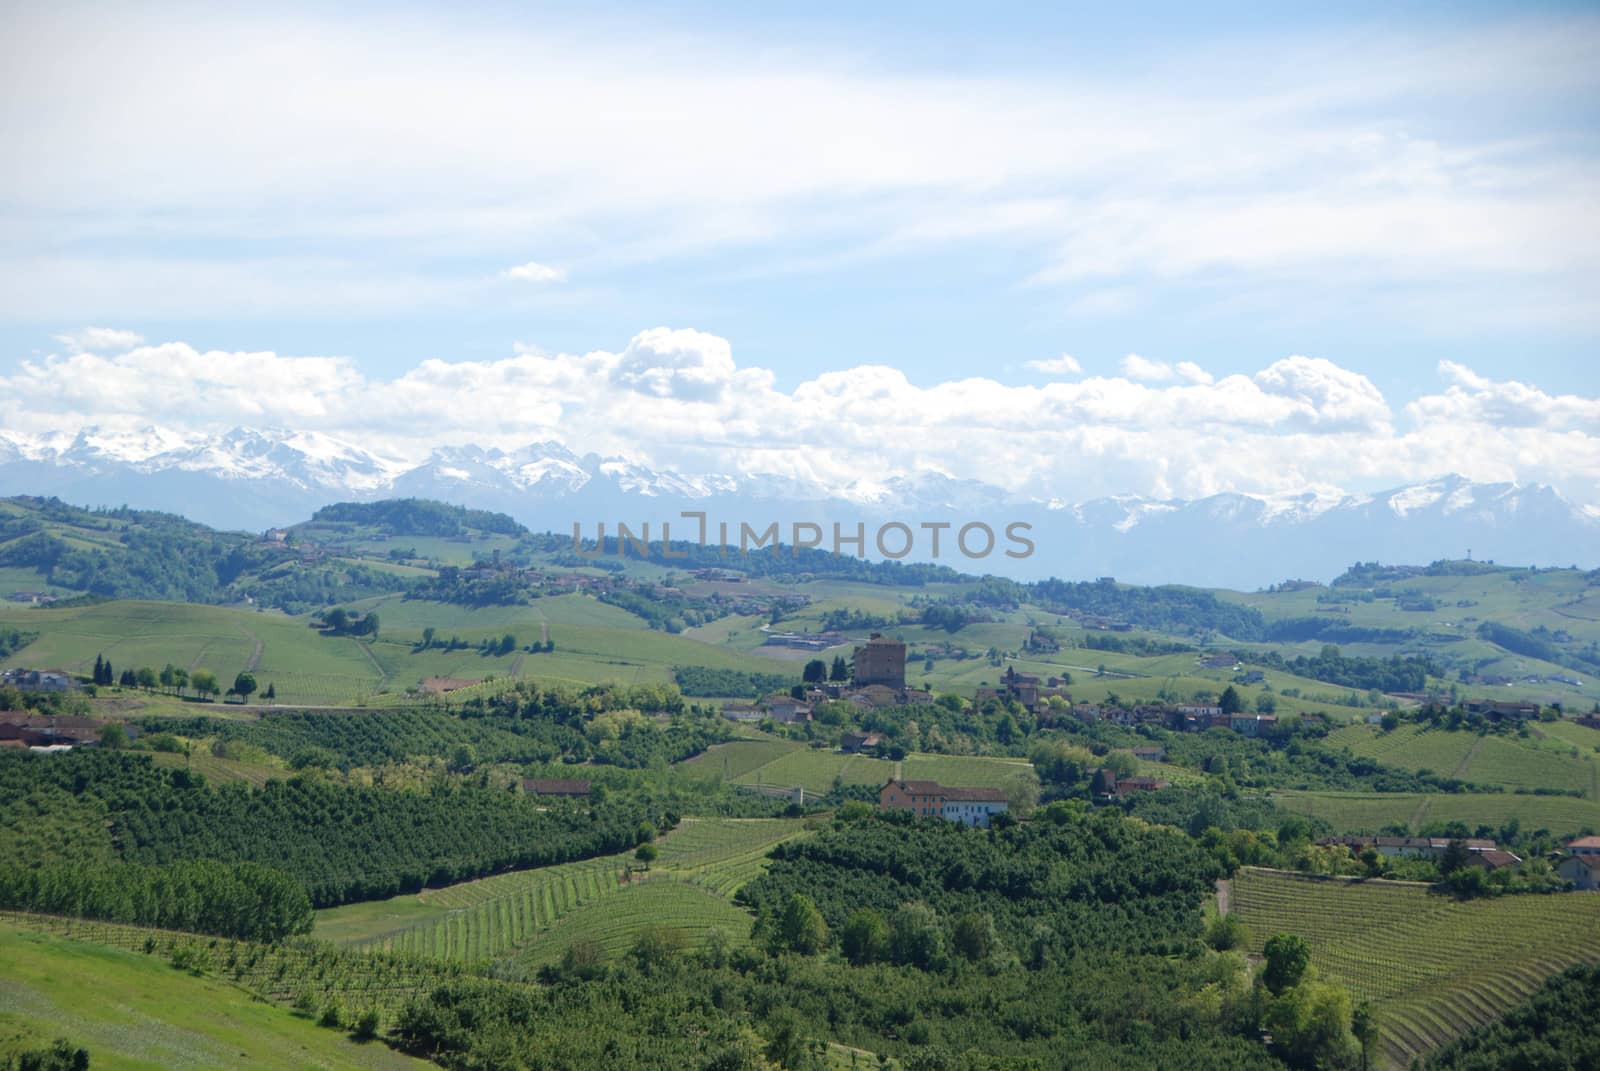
x=169, y=676
x=801, y=927
x=1227, y=932
x=180, y=677
x=508, y=643
x=205, y=682
x=271, y=692
x=1287, y=957
x=1312, y=1021
x=337, y=619
x=1230, y=701
x=797, y=692
x=147, y=679
x=129, y=679
x=865, y=937
x=99, y=670
x=816, y=671
x=1456, y=855
x=915, y=936
x=975, y=937
x=114, y=735
x=463, y=757
x=1364, y=1025
x=647, y=854
x=244, y=685
x=840, y=670
x=427, y=637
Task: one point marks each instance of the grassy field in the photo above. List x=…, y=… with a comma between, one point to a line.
x=1369, y=812
x=135, y=1013
x=519, y=914
x=1432, y=966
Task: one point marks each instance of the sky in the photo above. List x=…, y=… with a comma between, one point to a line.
x=1148, y=250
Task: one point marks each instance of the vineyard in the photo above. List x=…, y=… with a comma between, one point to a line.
x=686, y=913
x=1409, y=747
x=784, y=763
x=479, y=921
x=1435, y=967
x=816, y=771
x=1372, y=812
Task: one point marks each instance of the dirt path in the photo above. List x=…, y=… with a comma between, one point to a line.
x=1224, y=896
x=1420, y=813
x=255, y=655
x=1466, y=760
x=382, y=673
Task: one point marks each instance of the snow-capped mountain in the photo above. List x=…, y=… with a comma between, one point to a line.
x=254, y=479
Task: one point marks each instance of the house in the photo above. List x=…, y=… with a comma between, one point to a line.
x=1249, y=676
x=1589, y=721
x=1584, y=846
x=929, y=799
x=1499, y=710
x=1493, y=860
x=1150, y=753
x=743, y=712
x=1107, y=785
x=880, y=661
x=874, y=697
x=1253, y=724
x=35, y=598
x=1582, y=870
x=855, y=743
x=1221, y=660
x=555, y=786
x=786, y=709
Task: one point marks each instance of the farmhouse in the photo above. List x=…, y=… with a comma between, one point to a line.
x=786, y=709
x=1585, y=846
x=929, y=799
x=38, y=680
x=1150, y=753
x=743, y=712
x=1582, y=870
x=855, y=743
x=555, y=786
x=1253, y=724
x=1107, y=785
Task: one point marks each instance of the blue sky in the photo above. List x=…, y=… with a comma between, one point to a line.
x=951, y=191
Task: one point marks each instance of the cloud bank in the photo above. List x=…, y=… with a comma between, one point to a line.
x=677, y=398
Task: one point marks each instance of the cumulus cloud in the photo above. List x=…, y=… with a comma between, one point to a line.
x=677, y=398
x=99, y=340
x=1136, y=367
x=1064, y=365
x=534, y=272
x=1193, y=372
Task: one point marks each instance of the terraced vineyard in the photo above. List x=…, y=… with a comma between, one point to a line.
x=487, y=919
x=686, y=912
x=1409, y=747
x=1434, y=967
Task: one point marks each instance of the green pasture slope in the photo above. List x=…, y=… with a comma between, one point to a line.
x=1514, y=762
x=534, y=915
x=1372, y=812
x=789, y=763
x=1433, y=967
x=133, y=1012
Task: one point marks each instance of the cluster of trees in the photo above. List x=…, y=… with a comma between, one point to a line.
x=342, y=622
x=703, y=680
x=1143, y=646
x=1539, y=644
x=1299, y=629
x=13, y=640
x=817, y=671
x=1160, y=609
x=242, y=900
x=1395, y=674
x=59, y=1055
x=418, y=517
x=668, y=610
x=1062, y=885
x=341, y=843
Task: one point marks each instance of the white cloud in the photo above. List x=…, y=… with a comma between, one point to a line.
x=1193, y=372
x=1346, y=161
x=1136, y=367
x=677, y=398
x=1064, y=365
x=99, y=340
x=534, y=272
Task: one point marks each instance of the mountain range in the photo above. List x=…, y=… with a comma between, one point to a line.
x=254, y=479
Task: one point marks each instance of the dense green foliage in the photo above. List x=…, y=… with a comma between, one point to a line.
x=1393, y=674
x=341, y=843
x=1163, y=609
x=13, y=640
x=418, y=517
x=244, y=900
x=699, y=680
x=1055, y=887
x=1558, y=1028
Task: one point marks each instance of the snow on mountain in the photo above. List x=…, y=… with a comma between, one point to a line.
x=255, y=478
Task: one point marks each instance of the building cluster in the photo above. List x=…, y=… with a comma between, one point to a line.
x=805, y=641
x=1026, y=690
x=929, y=799
x=38, y=680
x=42, y=732
x=1106, y=785
x=1480, y=853
x=1188, y=717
